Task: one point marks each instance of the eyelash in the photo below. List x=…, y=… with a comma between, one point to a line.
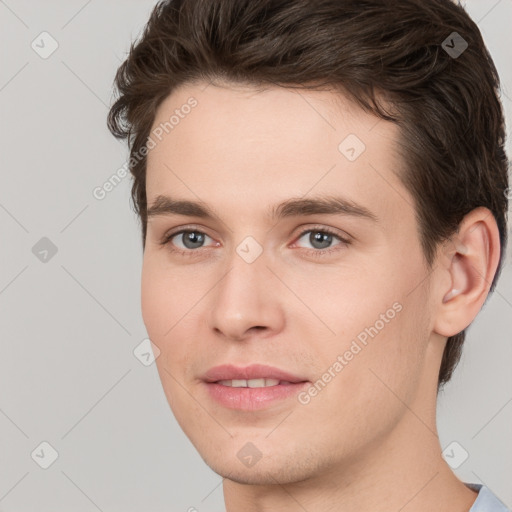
x=166, y=241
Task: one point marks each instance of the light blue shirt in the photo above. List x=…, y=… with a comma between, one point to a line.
x=486, y=501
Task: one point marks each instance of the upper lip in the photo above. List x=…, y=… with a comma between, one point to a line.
x=253, y=371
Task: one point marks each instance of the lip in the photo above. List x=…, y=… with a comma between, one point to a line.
x=251, y=399
x=253, y=371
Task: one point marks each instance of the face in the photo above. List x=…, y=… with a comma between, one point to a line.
x=302, y=254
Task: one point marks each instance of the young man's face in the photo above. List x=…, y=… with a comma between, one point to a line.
x=245, y=288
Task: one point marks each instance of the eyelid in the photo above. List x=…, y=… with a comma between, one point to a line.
x=187, y=227
x=168, y=235
x=343, y=236
x=344, y=241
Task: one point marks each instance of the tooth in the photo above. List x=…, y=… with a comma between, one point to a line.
x=251, y=383
x=256, y=383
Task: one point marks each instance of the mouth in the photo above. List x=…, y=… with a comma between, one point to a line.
x=251, y=388
x=253, y=383
x=255, y=373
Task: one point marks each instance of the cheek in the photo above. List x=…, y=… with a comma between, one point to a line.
x=377, y=378
x=164, y=298
x=155, y=300
x=171, y=311
x=343, y=303
x=168, y=316
x=387, y=371
x=376, y=321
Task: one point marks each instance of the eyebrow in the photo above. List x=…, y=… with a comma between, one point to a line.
x=330, y=205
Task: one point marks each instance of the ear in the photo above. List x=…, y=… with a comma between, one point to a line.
x=468, y=264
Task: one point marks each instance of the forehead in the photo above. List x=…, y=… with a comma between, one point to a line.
x=258, y=146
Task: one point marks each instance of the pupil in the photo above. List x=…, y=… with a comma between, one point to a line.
x=324, y=239
x=193, y=240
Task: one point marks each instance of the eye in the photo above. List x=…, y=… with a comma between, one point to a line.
x=186, y=240
x=321, y=239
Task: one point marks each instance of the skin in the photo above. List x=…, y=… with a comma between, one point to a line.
x=368, y=439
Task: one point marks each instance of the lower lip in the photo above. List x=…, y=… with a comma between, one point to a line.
x=253, y=399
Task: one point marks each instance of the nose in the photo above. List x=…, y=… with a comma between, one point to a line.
x=246, y=301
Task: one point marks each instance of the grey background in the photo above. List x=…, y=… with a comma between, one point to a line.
x=68, y=375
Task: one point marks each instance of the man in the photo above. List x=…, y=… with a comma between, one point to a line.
x=322, y=191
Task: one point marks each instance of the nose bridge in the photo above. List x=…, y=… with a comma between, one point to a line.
x=247, y=263
x=243, y=298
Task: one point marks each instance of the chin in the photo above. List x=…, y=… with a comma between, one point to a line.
x=247, y=477
x=253, y=476
x=291, y=468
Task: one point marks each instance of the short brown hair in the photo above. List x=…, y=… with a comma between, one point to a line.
x=447, y=106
